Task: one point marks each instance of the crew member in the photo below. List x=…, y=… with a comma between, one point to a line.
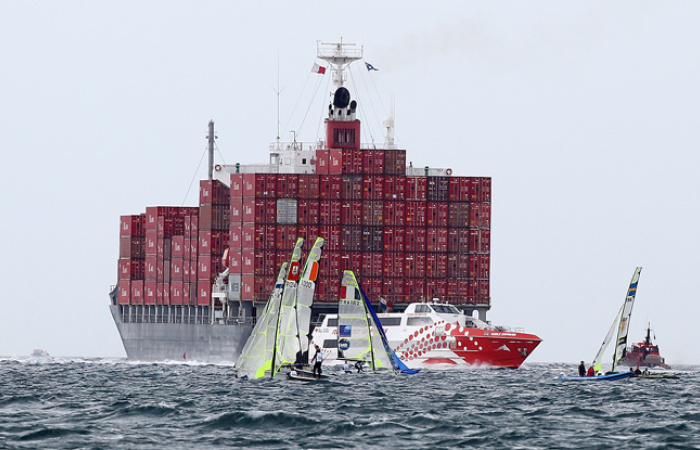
x=318, y=357
x=582, y=369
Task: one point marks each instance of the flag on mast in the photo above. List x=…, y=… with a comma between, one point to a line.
x=318, y=69
x=370, y=67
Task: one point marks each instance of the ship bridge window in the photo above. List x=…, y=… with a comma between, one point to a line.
x=390, y=321
x=288, y=161
x=330, y=343
x=419, y=321
x=303, y=160
x=423, y=309
x=445, y=309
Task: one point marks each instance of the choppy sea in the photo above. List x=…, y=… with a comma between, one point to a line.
x=118, y=404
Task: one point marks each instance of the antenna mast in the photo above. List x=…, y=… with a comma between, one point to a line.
x=210, y=140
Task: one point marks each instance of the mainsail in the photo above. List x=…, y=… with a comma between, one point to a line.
x=598, y=360
x=284, y=351
x=624, y=325
x=256, y=357
x=360, y=333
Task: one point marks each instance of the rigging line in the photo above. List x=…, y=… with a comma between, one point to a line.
x=319, y=135
x=220, y=154
x=194, y=176
x=392, y=112
x=301, y=125
x=357, y=94
x=296, y=103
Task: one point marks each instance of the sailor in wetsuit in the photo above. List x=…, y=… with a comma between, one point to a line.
x=582, y=369
x=318, y=357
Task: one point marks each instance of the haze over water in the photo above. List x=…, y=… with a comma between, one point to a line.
x=102, y=403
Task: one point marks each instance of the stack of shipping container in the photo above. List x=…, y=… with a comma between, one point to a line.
x=171, y=255
x=408, y=238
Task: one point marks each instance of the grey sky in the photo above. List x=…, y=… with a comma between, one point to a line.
x=583, y=113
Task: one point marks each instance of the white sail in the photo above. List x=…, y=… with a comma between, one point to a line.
x=305, y=293
x=598, y=360
x=623, y=326
x=256, y=357
x=358, y=335
x=287, y=341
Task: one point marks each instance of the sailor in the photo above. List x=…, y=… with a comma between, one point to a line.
x=637, y=371
x=358, y=366
x=346, y=367
x=591, y=372
x=582, y=369
x=318, y=357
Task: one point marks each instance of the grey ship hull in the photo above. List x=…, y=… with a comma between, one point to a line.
x=202, y=342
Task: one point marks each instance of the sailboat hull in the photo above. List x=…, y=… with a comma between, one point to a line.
x=610, y=377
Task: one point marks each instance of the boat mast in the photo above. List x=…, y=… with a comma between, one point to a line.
x=210, y=140
x=339, y=57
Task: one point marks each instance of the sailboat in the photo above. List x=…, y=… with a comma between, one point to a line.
x=361, y=337
x=281, y=331
x=621, y=324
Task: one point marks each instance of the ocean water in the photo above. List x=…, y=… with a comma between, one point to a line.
x=115, y=404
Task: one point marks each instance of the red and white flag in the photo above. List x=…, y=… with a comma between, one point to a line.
x=318, y=69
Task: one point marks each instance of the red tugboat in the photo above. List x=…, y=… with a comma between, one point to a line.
x=645, y=354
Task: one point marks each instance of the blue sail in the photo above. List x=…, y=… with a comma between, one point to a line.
x=397, y=364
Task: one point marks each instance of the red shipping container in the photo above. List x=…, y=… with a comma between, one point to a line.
x=214, y=217
x=416, y=188
x=307, y=212
x=436, y=288
x=132, y=226
x=480, y=215
x=483, y=295
x=373, y=187
x=322, y=161
x=415, y=240
x=378, y=162
x=350, y=212
x=372, y=239
x=265, y=262
x=308, y=232
x=479, y=241
x=331, y=233
x=204, y=293
x=131, y=269
x=351, y=261
x=458, y=240
x=140, y=295
x=436, y=240
x=286, y=237
x=394, y=187
x=248, y=261
x=213, y=242
x=330, y=264
x=176, y=293
x=437, y=214
x=247, y=286
x=208, y=268
x=132, y=247
x=415, y=290
x=177, y=246
x=151, y=238
x=373, y=287
x=177, y=271
x=124, y=293
x=235, y=238
x=213, y=192
x=287, y=186
x=163, y=294
x=235, y=260
x=394, y=239
x=394, y=290
x=436, y=265
x=395, y=162
x=329, y=212
x=236, y=188
x=415, y=265
x=330, y=187
x=415, y=214
x=350, y=238
x=394, y=213
x=150, y=269
x=236, y=210
x=309, y=186
x=373, y=212
x=393, y=264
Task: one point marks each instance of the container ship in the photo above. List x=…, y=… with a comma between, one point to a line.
x=191, y=279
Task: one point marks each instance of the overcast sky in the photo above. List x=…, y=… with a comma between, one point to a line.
x=583, y=113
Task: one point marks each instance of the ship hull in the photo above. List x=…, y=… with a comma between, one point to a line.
x=201, y=342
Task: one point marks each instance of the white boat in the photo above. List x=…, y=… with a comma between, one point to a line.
x=40, y=353
x=621, y=324
x=439, y=333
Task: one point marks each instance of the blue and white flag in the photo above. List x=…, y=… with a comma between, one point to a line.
x=370, y=67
